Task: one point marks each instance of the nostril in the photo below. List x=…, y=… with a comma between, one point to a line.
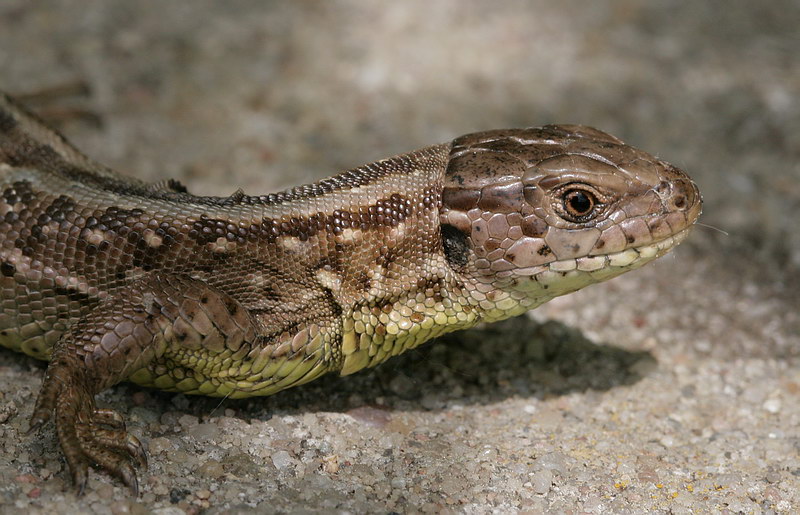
x=684, y=194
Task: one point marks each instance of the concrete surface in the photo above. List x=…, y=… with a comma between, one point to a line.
x=673, y=389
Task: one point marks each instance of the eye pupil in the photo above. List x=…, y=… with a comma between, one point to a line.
x=579, y=203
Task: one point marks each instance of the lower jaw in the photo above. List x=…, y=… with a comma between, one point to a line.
x=561, y=277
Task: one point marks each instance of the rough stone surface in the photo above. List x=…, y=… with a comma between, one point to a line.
x=670, y=389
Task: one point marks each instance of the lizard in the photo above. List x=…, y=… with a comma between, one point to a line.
x=113, y=279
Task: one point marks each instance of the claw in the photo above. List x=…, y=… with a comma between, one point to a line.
x=34, y=425
x=136, y=450
x=128, y=476
x=80, y=476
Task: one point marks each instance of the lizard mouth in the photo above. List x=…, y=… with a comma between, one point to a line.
x=571, y=274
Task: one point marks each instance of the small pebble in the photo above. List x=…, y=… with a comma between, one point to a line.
x=542, y=481
x=211, y=469
x=772, y=405
x=330, y=464
x=282, y=460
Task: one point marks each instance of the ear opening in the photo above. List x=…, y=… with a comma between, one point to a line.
x=456, y=246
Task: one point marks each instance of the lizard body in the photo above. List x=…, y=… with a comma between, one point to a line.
x=113, y=279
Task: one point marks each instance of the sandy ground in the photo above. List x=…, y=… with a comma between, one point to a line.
x=672, y=389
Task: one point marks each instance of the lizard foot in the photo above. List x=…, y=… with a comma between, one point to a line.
x=88, y=435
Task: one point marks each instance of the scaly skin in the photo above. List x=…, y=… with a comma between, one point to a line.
x=112, y=279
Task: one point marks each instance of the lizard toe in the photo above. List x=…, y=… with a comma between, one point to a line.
x=115, y=464
x=120, y=441
x=80, y=475
x=136, y=450
x=36, y=422
x=110, y=418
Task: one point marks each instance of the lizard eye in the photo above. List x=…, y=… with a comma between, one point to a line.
x=578, y=205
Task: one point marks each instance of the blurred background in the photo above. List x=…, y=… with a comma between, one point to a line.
x=266, y=95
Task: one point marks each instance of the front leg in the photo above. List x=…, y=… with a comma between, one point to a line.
x=123, y=335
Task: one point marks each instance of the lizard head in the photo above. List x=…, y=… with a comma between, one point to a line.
x=530, y=214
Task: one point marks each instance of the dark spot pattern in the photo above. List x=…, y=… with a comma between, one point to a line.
x=19, y=192
x=73, y=295
x=387, y=212
x=534, y=227
x=7, y=269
